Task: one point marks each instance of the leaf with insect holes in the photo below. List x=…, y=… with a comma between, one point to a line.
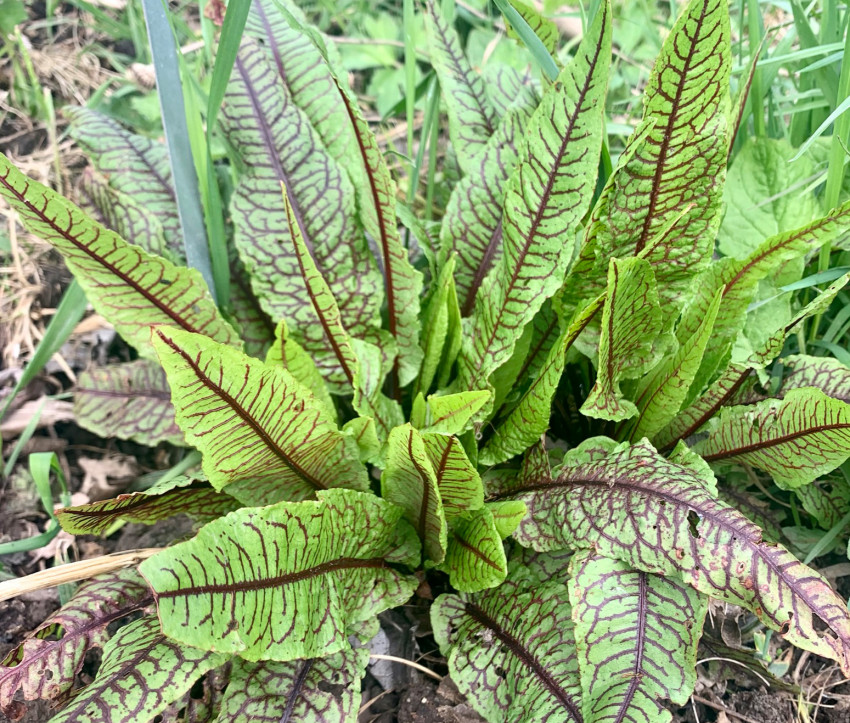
x=672, y=183
x=459, y=483
x=43, y=668
x=530, y=417
x=180, y=496
x=629, y=339
x=472, y=119
x=277, y=145
x=282, y=582
x=619, y=500
x=661, y=392
x=724, y=389
x=547, y=195
x=264, y=438
x=511, y=651
x=796, y=439
x=409, y=481
x=128, y=401
x=315, y=690
x=636, y=636
x=737, y=281
x=472, y=225
x=131, y=288
x=137, y=171
x=142, y=671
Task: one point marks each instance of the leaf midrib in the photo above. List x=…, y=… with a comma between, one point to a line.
x=644, y=491
x=640, y=647
x=665, y=140
x=341, y=563
x=544, y=200
x=769, y=443
x=243, y=414
x=272, y=152
x=518, y=650
x=111, y=268
x=383, y=223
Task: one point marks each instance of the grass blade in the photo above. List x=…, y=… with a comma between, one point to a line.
x=172, y=105
x=529, y=38
x=67, y=316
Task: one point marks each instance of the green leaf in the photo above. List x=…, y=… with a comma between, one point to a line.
x=668, y=194
x=472, y=225
x=41, y=667
x=530, y=417
x=472, y=119
x=130, y=288
x=619, y=500
x=737, y=281
x=409, y=481
x=283, y=582
x=316, y=690
x=825, y=373
x=402, y=283
x=292, y=357
x=660, y=393
x=368, y=400
x=12, y=13
x=120, y=213
x=263, y=437
x=763, y=196
x=181, y=495
x=138, y=174
x=547, y=195
x=511, y=651
x=629, y=339
x=459, y=483
x=826, y=500
x=277, y=145
x=636, y=636
x=142, y=671
x=128, y=401
x=543, y=28
x=507, y=514
x=303, y=62
x=723, y=390
x=435, y=328
x=255, y=326
x=795, y=440
x=475, y=558
x=448, y=413
x=362, y=364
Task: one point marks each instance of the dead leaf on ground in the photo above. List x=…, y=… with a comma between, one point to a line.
x=107, y=477
x=54, y=411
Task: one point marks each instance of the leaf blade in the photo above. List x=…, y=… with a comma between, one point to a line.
x=625, y=491
x=131, y=288
x=263, y=437
x=318, y=566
